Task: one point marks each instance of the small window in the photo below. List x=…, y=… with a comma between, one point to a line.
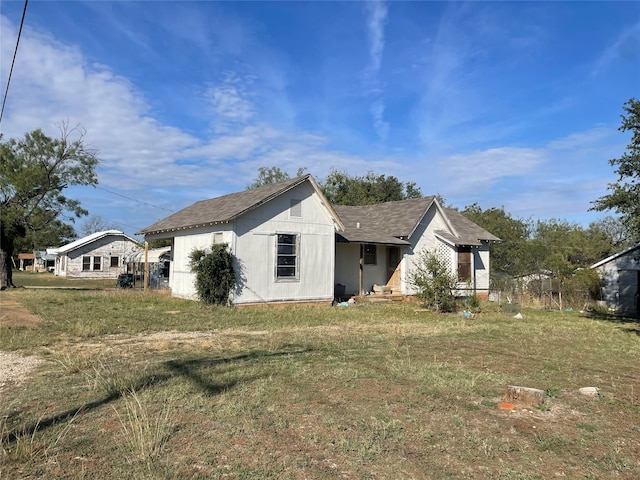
x=464, y=264
x=370, y=255
x=97, y=263
x=295, y=209
x=218, y=238
x=287, y=256
x=86, y=264
x=115, y=262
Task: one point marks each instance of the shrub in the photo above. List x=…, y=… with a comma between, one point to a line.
x=215, y=275
x=434, y=282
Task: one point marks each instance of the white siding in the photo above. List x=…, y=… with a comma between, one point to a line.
x=252, y=239
x=255, y=249
x=181, y=278
x=424, y=239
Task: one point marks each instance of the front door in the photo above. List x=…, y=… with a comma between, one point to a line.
x=393, y=268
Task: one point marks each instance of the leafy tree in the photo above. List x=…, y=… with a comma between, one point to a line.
x=34, y=172
x=342, y=189
x=215, y=275
x=434, y=282
x=268, y=175
x=624, y=196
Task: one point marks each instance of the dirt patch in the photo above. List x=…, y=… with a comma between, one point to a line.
x=14, y=314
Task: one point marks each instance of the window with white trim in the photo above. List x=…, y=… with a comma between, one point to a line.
x=287, y=256
x=91, y=263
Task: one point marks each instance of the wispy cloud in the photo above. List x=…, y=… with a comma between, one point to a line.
x=626, y=47
x=376, y=12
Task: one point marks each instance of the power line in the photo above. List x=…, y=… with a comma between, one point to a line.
x=15, y=53
x=134, y=199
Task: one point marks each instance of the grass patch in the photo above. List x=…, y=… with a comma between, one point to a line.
x=154, y=387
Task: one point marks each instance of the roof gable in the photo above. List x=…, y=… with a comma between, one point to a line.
x=616, y=255
x=89, y=239
x=395, y=222
x=229, y=207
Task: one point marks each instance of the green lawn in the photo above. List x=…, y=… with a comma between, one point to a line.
x=147, y=386
x=45, y=279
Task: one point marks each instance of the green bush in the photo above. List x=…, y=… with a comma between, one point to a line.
x=215, y=275
x=434, y=282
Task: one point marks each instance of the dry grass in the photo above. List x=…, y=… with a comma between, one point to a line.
x=131, y=391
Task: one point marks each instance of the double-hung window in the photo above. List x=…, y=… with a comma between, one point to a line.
x=91, y=263
x=287, y=260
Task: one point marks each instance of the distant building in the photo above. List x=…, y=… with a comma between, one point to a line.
x=99, y=255
x=620, y=274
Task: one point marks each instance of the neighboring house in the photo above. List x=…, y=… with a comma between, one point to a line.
x=26, y=261
x=291, y=245
x=99, y=255
x=620, y=274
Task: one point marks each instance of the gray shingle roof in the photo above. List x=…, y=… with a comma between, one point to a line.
x=390, y=223
x=467, y=232
x=222, y=209
x=393, y=222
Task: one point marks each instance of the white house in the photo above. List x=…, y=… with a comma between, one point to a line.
x=620, y=274
x=291, y=245
x=99, y=255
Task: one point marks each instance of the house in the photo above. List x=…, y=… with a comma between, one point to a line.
x=382, y=243
x=291, y=245
x=99, y=255
x=620, y=274
x=282, y=236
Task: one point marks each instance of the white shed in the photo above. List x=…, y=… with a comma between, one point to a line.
x=620, y=274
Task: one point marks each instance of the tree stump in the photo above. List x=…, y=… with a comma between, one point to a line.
x=524, y=396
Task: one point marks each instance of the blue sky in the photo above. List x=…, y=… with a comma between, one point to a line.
x=507, y=104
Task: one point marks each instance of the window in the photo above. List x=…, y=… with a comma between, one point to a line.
x=91, y=263
x=464, y=264
x=115, y=262
x=287, y=256
x=217, y=238
x=370, y=255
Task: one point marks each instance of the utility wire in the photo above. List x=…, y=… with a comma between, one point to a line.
x=15, y=53
x=134, y=199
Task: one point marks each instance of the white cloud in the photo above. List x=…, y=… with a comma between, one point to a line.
x=230, y=102
x=479, y=171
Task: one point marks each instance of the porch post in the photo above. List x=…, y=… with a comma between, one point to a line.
x=361, y=273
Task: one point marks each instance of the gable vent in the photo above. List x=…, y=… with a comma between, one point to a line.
x=295, y=209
